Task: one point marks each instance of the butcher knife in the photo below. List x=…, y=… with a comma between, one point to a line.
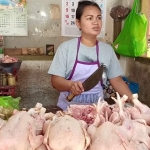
x=90, y=82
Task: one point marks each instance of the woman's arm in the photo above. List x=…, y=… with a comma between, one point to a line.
x=61, y=84
x=121, y=87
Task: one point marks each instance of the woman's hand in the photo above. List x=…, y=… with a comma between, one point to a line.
x=61, y=84
x=76, y=87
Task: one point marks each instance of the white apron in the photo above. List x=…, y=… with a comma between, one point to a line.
x=81, y=71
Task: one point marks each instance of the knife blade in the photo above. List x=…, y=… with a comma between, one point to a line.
x=90, y=82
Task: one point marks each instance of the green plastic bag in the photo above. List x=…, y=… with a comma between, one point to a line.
x=9, y=102
x=132, y=41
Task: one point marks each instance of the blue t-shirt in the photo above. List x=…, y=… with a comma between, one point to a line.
x=65, y=56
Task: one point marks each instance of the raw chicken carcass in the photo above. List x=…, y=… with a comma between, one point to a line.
x=19, y=133
x=142, y=107
x=140, y=111
x=110, y=136
x=83, y=112
x=38, y=113
x=8, y=59
x=107, y=137
x=141, y=134
x=66, y=133
x=2, y=123
x=126, y=136
x=41, y=147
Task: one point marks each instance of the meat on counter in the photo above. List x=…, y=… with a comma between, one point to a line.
x=82, y=127
x=9, y=59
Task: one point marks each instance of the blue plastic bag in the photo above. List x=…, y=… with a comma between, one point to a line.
x=133, y=86
x=109, y=91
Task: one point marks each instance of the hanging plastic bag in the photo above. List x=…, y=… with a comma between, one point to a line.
x=132, y=41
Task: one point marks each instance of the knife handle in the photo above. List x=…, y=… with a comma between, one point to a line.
x=70, y=97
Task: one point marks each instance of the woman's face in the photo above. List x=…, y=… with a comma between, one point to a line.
x=90, y=22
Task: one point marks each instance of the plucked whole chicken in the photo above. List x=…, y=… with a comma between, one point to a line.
x=81, y=127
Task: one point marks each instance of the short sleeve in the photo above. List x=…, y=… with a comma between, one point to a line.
x=114, y=69
x=58, y=65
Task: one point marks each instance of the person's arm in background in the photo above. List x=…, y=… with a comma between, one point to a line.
x=121, y=87
x=61, y=84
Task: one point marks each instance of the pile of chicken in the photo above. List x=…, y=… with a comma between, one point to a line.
x=9, y=59
x=82, y=127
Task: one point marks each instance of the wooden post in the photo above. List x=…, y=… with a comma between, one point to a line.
x=117, y=30
x=145, y=9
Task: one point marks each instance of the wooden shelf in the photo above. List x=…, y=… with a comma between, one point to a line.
x=33, y=57
x=17, y=52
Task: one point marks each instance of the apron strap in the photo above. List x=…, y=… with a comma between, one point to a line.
x=78, y=46
x=97, y=52
x=74, y=66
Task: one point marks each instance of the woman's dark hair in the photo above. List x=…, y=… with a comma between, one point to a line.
x=81, y=6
